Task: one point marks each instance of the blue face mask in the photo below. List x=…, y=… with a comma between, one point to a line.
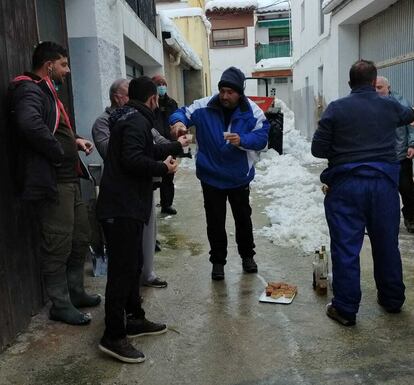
x=162, y=90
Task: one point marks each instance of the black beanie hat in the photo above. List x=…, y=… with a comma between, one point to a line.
x=233, y=78
x=141, y=89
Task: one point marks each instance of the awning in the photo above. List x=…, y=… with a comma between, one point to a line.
x=275, y=23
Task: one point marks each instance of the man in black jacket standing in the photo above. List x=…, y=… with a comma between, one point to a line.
x=47, y=174
x=124, y=206
x=166, y=106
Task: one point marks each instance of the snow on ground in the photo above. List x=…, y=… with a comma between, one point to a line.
x=296, y=209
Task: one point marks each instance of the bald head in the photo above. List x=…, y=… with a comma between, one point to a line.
x=382, y=86
x=118, y=92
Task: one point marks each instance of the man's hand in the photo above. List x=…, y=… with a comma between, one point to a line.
x=178, y=129
x=232, y=138
x=185, y=140
x=172, y=164
x=410, y=153
x=84, y=145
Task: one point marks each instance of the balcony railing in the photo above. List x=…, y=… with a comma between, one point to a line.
x=145, y=9
x=267, y=51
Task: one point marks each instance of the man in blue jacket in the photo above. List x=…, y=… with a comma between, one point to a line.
x=404, y=148
x=230, y=131
x=357, y=136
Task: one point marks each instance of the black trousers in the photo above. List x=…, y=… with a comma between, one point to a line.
x=215, y=202
x=124, y=243
x=406, y=188
x=167, y=191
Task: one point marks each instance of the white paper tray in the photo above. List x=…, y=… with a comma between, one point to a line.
x=282, y=300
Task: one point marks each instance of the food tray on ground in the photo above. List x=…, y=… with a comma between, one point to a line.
x=279, y=292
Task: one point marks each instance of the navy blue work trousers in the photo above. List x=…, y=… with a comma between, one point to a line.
x=364, y=198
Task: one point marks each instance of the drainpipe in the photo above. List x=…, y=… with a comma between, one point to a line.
x=177, y=59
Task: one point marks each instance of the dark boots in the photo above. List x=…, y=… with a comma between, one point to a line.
x=62, y=308
x=77, y=293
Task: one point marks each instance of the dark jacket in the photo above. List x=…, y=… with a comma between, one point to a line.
x=360, y=128
x=132, y=161
x=162, y=114
x=33, y=120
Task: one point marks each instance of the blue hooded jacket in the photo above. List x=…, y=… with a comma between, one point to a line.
x=219, y=163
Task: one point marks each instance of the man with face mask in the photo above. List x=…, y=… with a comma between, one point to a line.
x=167, y=106
x=124, y=206
x=230, y=131
x=47, y=174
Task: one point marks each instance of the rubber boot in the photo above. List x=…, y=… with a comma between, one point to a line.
x=77, y=293
x=62, y=308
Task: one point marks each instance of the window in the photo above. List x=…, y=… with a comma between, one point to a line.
x=133, y=69
x=280, y=80
x=302, y=16
x=229, y=37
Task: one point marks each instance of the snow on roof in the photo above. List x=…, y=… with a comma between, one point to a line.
x=179, y=43
x=188, y=12
x=274, y=63
x=267, y=6
x=215, y=5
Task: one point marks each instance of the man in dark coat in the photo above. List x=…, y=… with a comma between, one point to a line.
x=124, y=206
x=357, y=136
x=47, y=174
x=166, y=107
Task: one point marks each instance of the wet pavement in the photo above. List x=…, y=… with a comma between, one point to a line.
x=219, y=334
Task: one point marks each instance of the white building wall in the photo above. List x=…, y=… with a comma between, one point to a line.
x=97, y=32
x=336, y=50
x=243, y=58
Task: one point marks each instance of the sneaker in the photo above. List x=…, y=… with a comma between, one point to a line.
x=168, y=210
x=249, y=265
x=218, y=272
x=137, y=327
x=409, y=224
x=156, y=282
x=121, y=349
x=388, y=309
x=334, y=314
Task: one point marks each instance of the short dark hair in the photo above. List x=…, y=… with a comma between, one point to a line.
x=141, y=89
x=362, y=73
x=45, y=51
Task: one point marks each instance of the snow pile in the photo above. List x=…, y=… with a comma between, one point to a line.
x=188, y=12
x=189, y=55
x=265, y=6
x=296, y=209
x=215, y=5
x=274, y=63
